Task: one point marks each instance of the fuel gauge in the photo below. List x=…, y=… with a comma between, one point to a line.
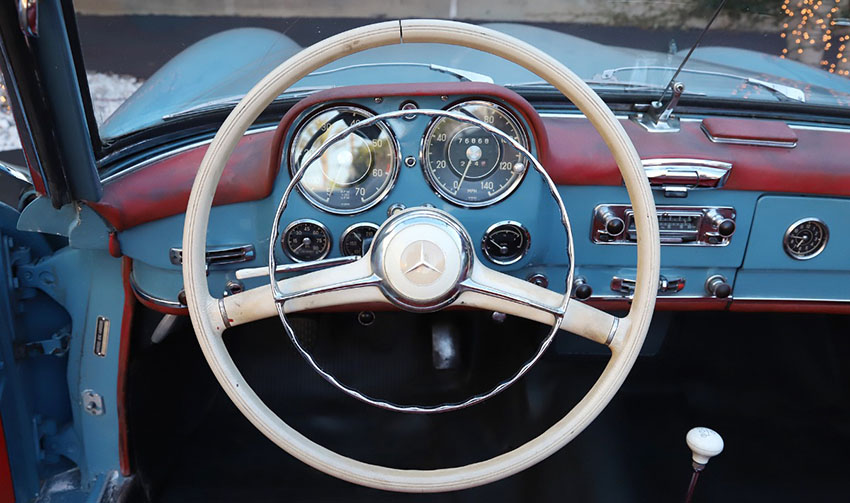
x=505, y=242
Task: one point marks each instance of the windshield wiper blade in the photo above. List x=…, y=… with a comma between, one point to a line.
x=461, y=74
x=780, y=90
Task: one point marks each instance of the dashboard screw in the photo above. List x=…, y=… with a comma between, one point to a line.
x=444, y=98
x=379, y=100
x=410, y=161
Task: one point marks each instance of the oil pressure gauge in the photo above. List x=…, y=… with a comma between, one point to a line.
x=505, y=242
x=805, y=238
x=306, y=240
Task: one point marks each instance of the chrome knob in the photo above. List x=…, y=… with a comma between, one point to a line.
x=716, y=286
x=613, y=224
x=725, y=226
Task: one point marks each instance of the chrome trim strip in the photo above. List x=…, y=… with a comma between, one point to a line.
x=16, y=172
x=223, y=311
x=170, y=304
x=613, y=331
x=172, y=153
x=256, y=272
x=747, y=141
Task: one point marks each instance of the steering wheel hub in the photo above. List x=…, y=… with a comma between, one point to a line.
x=421, y=256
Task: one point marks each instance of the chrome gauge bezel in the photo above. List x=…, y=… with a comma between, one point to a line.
x=285, y=234
x=796, y=256
x=438, y=189
x=349, y=229
x=525, y=234
x=385, y=191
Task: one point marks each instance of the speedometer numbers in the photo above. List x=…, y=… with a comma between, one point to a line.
x=356, y=172
x=466, y=164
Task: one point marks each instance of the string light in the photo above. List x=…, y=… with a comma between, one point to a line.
x=808, y=27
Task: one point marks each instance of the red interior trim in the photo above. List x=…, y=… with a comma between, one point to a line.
x=816, y=166
x=7, y=488
x=725, y=128
x=123, y=360
x=790, y=306
x=570, y=149
x=162, y=189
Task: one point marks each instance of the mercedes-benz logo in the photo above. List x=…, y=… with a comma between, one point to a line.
x=422, y=262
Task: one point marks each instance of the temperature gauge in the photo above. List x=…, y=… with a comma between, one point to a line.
x=306, y=240
x=505, y=242
x=357, y=239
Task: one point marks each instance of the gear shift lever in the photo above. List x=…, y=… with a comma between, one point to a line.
x=704, y=443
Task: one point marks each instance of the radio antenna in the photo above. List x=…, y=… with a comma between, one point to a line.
x=691, y=50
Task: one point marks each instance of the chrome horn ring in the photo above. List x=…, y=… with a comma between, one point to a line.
x=379, y=279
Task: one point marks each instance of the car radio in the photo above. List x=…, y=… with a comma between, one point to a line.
x=677, y=225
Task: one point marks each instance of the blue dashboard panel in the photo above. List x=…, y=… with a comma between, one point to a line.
x=753, y=261
x=768, y=272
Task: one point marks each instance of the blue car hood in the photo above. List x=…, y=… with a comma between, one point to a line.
x=225, y=66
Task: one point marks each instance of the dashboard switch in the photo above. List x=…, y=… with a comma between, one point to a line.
x=716, y=286
x=614, y=225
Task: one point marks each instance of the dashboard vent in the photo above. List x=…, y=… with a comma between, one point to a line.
x=218, y=255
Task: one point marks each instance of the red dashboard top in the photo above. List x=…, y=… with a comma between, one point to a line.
x=568, y=146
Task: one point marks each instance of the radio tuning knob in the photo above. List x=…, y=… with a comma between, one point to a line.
x=716, y=286
x=614, y=225
x=725, y=226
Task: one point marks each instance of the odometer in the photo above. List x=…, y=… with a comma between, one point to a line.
x=467, y=164
x=353, y=174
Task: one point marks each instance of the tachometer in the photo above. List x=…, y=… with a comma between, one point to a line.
x=353, y=174
x=468, y=165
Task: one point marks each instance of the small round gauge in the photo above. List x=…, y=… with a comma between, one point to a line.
x=468, y=165
x=805, y=238
x=505, y=242
x=355, y=237
x=306, y=240
x=356, y=172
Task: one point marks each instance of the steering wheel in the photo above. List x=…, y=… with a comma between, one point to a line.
x=387, y=275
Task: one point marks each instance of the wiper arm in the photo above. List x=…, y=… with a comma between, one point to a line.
x=463, y=75
x=783, y=92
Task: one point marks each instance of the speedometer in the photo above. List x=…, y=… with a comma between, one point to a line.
x=467, y=164
x=356, y=172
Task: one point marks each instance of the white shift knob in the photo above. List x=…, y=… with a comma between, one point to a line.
x=705, y=443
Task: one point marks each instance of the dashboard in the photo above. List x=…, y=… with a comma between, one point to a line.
x=750, y=211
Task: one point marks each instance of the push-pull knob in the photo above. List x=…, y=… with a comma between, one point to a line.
x=725, y=226
x=614, y=225
x=581, y=289
x=716, y=286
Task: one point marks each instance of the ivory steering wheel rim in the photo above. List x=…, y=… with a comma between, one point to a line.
x=210, y=316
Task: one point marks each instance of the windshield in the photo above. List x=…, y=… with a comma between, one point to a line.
x=157, y=61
